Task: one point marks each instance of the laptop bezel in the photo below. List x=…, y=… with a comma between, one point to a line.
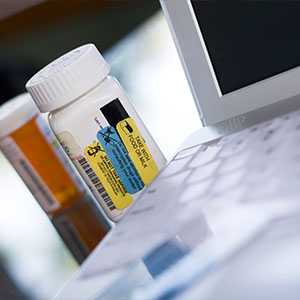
x=214, y=107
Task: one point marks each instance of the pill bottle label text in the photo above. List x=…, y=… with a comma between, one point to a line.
x=29, y=175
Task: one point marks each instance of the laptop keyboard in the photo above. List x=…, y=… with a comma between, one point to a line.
x=251, y=165
x=258, y=166
x=231, y=182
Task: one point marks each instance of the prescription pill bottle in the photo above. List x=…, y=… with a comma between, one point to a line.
x=81, y=227
x=98, y=127
x=28, y=143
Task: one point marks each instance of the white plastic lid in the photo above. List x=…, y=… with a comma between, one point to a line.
x=67, y=78
x=15, y=113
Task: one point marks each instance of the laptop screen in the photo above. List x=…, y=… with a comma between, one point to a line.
x=249, y=41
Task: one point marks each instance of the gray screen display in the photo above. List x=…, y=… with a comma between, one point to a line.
x=249, y=41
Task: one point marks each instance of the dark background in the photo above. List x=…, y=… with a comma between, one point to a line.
x=37, y=35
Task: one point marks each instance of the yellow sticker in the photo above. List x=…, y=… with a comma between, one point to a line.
x=108, y=175
x=137, y=149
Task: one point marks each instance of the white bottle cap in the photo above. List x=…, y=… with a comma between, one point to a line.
x=67, y=78
x=15, y=113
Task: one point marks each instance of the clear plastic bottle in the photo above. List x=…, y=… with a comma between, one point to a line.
x=98, y=127
x=28, y=143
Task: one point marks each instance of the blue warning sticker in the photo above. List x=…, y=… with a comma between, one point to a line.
x=119, y=157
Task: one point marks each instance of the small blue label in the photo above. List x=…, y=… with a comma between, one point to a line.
x=119, y=157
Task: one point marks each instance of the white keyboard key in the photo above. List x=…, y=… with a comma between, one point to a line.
x=204, y=172
x=259, y=172
x=263, y=191
x=235, y=162
x=271, y=133
x=228, y=139
x=273, y=124
x=164, y=184
x=270, y=136
x=292, y=124
x=197, y=191
x=205, y=157
x=228, y=198
x=228, y=181
x=233, y=148
x=175, y=166
x=233, y=195
x=247, y=135
x=254, y=133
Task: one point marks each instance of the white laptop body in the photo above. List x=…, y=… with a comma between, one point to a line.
x=213, y=104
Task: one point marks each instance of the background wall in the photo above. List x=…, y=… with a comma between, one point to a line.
x=35, y=36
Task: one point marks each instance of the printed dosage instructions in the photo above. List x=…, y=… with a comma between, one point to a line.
x=108, y=175
x=137, y=149
x=119, y=157
x=73, y=150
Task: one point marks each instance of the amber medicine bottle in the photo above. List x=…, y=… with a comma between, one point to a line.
x=98, y=127
x=81, y=227
x=28, y=143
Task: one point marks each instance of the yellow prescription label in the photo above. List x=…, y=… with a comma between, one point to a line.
x=137, y=149
x=108, y=175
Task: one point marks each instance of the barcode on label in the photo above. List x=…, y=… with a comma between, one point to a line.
x=96, y=182
x=37, y=182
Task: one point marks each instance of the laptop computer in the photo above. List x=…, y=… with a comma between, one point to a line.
x=228, y=198
x=237, y=56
